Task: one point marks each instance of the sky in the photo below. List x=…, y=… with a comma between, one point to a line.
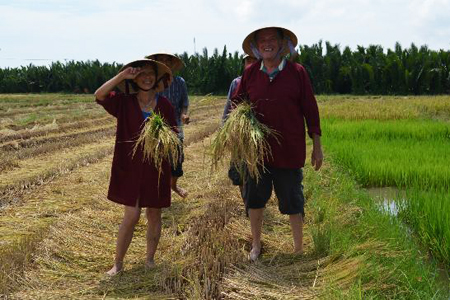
x=42, y=31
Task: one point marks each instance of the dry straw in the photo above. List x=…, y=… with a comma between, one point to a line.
x=158, y=142
x=245, y=139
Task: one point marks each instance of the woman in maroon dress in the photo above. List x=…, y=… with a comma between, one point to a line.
x=134, y=182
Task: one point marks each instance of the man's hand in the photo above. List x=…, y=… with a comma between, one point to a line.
x=316, y=158
x=185, y=119
x=316, y=155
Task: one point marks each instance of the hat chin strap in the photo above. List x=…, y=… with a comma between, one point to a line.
x=255, y=51
x=279, y=52
x=145, y=90
x=155, y=86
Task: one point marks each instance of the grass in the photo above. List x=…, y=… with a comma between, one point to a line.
x=370, y=253
x=402, y=143
x=12, y=153
x=51, y=202
x=63, y=235
x=55, y=127
x=37, y=100
x=392, y=153
x=33, y=172
x=25, y=226
x=384, y=107
x=38, y=118
x=427, y=212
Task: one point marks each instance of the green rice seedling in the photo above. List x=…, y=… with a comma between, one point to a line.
x=245, y=139
x=428, y=212
x=321, y=236
x=159, y=142
x=392, y=153
x=321, y=233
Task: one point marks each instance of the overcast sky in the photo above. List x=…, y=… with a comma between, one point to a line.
x=42, y=31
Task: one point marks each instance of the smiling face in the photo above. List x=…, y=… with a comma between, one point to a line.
x=146, y=78
x=268, y=42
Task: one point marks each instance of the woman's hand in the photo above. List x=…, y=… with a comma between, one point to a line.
x=130, y=73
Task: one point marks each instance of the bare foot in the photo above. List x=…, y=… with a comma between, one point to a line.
x=254, y=254
x=116, y=269
x=150, y=264
x=181, y=192
x=298, y=251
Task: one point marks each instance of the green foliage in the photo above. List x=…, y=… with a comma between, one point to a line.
x=206, y=74
x=71, y=77
x=368, y=70
x=373, y=71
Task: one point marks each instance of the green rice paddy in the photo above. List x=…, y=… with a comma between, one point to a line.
x=408, y=150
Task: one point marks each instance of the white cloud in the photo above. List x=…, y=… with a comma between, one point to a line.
x=117, y=30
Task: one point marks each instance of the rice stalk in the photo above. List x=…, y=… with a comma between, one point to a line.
x=158, y=142
x=245, y=139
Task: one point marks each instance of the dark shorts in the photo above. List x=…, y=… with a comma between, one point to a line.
x=234, y=175
x=288, y=189
x=178, y=171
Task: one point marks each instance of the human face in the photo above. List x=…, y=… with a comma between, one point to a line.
x=165, y=59
x=268, y=43
x=146, y=78
x=248, y=61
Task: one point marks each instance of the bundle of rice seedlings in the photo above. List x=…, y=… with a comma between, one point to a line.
x=244, y=138
x=159, y=142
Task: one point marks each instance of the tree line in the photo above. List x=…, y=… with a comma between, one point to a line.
x=368, y=70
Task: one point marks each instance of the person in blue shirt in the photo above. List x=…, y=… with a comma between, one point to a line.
x=178, y=96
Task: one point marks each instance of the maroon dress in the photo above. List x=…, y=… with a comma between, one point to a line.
x=133, y=179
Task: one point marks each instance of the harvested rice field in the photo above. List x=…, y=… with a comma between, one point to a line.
x=58, y=230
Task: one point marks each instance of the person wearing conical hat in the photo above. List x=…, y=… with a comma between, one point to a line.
x=178, y=96
x=282, y=98
x=136, y=183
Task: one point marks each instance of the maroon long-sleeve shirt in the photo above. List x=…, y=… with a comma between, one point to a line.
x=283, y=104
x=131, y=177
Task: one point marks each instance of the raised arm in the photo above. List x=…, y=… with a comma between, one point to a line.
x=129, y=73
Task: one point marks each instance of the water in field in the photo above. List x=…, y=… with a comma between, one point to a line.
x=387, y=198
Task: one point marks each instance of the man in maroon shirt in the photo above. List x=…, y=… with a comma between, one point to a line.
x=282, y=98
